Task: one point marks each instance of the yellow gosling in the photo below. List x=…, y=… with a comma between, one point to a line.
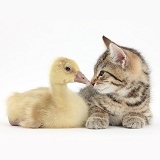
x=54, y=107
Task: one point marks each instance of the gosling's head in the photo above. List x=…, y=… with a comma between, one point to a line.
x=64, y=70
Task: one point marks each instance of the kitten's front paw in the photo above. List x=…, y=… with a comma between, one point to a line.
x=133, y=122
x=97, y=123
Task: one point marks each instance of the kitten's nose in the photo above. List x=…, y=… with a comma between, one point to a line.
x=92, y=83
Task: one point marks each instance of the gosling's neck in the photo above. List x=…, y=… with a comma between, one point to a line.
x=60, y=94
x=59, y=89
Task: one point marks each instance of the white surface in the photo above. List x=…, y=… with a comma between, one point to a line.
x=33, y=33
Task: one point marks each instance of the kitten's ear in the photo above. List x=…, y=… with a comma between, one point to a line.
x=118, y=56
x=106, y=41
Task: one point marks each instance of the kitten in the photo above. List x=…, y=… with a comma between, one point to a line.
x=120, y=90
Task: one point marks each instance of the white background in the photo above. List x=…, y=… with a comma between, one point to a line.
x=33, y=33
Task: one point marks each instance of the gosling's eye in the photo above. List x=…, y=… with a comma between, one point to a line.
x=101, y=73
x=67, y=69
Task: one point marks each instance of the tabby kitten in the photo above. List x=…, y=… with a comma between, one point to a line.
x=120, y=90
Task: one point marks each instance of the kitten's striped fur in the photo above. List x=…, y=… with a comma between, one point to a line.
x=120, y=94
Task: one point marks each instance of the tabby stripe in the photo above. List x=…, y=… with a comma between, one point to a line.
x=137, y=103
x=133, y=92
x=94, y=110
x=114, y=76
x=145, y=72
x=113, y=98
x=116, y=84
x=143, y=97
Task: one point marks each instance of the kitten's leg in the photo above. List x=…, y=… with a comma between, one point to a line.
x=134, y=120
x=99, y=119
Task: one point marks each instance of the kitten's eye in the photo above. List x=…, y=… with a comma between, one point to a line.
x=67, y=69
x=101, y=73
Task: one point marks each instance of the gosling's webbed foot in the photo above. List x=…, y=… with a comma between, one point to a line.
x=30, y=124
x=14, y=123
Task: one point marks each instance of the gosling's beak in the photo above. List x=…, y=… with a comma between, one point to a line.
x=80, y=77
